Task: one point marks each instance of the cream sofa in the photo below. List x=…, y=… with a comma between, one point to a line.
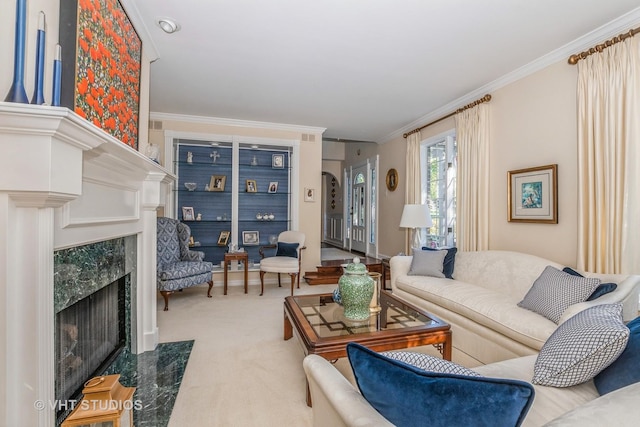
x=336, y=402
x=481, y=301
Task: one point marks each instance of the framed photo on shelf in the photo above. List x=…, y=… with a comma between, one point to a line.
x=250, y=238
x=273, y=187
x=223, y=238
x=217, y=182
x=251, y=186
x=277, y=161
x=192, y=241
x=187, y=213
x=532, y=195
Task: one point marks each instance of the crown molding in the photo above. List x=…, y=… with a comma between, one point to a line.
x=618, y=26
x=235, y=122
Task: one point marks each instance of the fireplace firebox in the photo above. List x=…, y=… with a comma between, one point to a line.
x=89, y=335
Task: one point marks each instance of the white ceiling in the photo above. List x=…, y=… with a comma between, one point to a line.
x=364, y=69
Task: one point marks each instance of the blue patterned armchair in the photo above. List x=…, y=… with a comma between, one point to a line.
x=179, y=267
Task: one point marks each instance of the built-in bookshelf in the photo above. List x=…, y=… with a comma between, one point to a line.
x=235, y=194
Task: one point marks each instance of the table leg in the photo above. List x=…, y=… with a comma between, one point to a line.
x=446, y=354
x=246, y=275
x=309, y=403
x=288, y=329
x=225, y=276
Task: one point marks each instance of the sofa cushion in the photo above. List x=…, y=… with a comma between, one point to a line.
x=495, y=310
x=427, y=263
x=554, y=290
x=625, y=369
x=449, y=260
x=181, y=269
x=602, y=289
x=581, y=347
x=429, y=363
x=287, y=249
x=406, y=395
x=550, y=402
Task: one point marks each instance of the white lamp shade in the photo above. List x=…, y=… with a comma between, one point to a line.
x=416, y=216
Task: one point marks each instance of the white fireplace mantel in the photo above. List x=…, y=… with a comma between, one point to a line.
x=63, y=183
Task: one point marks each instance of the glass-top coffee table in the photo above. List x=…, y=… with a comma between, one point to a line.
x=322, y=329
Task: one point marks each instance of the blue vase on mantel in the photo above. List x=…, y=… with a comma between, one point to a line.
x=17, y=93
x=356, y=290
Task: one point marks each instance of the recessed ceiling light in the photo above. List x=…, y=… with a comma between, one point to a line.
x=168, y=25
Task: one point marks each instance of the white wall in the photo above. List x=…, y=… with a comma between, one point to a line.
x=533, y=123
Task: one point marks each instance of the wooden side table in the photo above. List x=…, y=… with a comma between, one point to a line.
x=236, y=256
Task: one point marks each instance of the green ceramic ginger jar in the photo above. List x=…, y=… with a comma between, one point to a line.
x=356, y=290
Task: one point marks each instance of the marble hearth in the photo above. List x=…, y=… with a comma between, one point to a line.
x=64, y=183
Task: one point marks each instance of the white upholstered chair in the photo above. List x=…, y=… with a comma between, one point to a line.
x=287, y=259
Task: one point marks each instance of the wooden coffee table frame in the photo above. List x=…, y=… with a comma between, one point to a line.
x=437, y=334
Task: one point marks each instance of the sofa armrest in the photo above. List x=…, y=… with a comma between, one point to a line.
x=618, y=408
x=336, y=402
x=400, y=266
x=626, y=293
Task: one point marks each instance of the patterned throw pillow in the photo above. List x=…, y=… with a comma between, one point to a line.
x=582, y=347
x=554, y=290
x=429, y=363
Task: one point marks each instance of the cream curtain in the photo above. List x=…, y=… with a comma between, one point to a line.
x=472, y=187
x=608, y=160
x=412, y=189
x=412, y=192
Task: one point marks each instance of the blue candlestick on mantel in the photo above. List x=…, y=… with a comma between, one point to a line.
x=17, y=93
x=38, y=91
x=57, y=77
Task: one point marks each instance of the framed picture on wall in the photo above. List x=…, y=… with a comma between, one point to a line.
x=273, y=187
x=309, y=195
x=101, y=65
x=532, y=194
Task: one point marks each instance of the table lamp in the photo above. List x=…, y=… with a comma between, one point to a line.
x=416, y=217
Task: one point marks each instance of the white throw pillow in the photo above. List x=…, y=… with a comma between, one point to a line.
x=554, y=291
x=429, y=363
x=427, y=263
x=581, y=347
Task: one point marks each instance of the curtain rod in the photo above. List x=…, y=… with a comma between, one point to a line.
x=573, y=59
x=485, y=98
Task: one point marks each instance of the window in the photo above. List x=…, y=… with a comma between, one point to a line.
x=438, y=159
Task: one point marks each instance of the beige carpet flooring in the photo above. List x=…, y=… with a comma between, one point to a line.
x=241, y=371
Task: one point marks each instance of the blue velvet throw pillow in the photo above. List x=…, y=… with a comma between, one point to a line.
x=409, y=396
x=602, y=289
x=625, y=369
x=449, y=260
x=287, y=249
